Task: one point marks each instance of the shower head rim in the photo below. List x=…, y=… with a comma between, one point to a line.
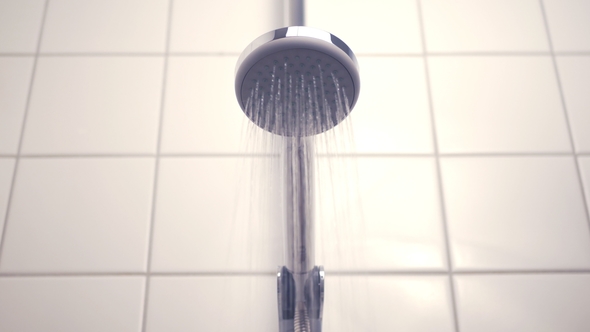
x=296, y=37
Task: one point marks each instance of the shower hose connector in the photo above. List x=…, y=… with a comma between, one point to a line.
x=300, y=299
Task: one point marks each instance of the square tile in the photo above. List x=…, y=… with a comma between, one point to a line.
x=105, y=26
x=238, y=303
x=584, y=163
x=388, y=303
x=540, y=303
x=71, y=304
x=203, y=26
x=79, y=215
x=399, y=226
x=201, y=112
x=497, y=104
x=574, y=72
x=207, y=217
x=20, y=24
x=569, y=24
x=392, y=113
x=101, y=105
x=484, y=26
x=387, y=26
x=515, y=213
x=15, y=78
x=6, y=173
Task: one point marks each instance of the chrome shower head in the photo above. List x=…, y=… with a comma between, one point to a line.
x=297, y=81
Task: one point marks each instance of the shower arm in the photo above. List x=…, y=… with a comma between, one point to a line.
x=300, y=283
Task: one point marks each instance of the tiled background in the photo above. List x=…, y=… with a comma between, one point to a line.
x=120, y=136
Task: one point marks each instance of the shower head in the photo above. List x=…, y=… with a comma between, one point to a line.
x=297, y=81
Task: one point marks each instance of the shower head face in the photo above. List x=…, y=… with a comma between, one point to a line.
x=297, y=81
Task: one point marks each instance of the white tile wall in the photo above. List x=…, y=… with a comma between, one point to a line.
x=584, y=163
x=20, y=22
x=497, y=104
x=510, y=213
x=210, y=304
x=15, y=78
x=484, y=26
x=103, y=105
x=200, y=112
x=199, y=225
x=569, y=24
x=401, y=229
x=137, y=205
x=388, y=26
x=389, y=303
x=6, y=173
x=221, y=26
x=71, y=304
x=400, y=102
x=79, y=215
x=543, y=303
x=105, y=26
x=574, y=72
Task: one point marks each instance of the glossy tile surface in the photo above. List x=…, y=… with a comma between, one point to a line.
x=201, y=113
x=543, y=303
x=79, y=215
x=71, y=304
x=480, y=25
x=392, y=113
x=388, y=26
x=20, y=24
x=204, y=221
x=584, y=163
x=510, y=213
x=222, y=26
x=497, y=104
x=15, y=78
x=388, y=303
x=105, y=26
x=210, y=303
x=144, y=199
x=569, y=24
x=574, y=72
x=6, y=173
x=102, y=105
x=399, y=225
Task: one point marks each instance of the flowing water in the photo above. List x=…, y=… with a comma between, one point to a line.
x=301, y=169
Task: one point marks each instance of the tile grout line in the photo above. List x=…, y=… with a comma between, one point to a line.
x=197, y=54
x=272, y=273
x=438, y=170
x=22, y=132
x=321, y=155
x=156, y=172
x=565, y=113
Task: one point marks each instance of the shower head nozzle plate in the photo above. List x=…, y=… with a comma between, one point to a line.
x=297, y=75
